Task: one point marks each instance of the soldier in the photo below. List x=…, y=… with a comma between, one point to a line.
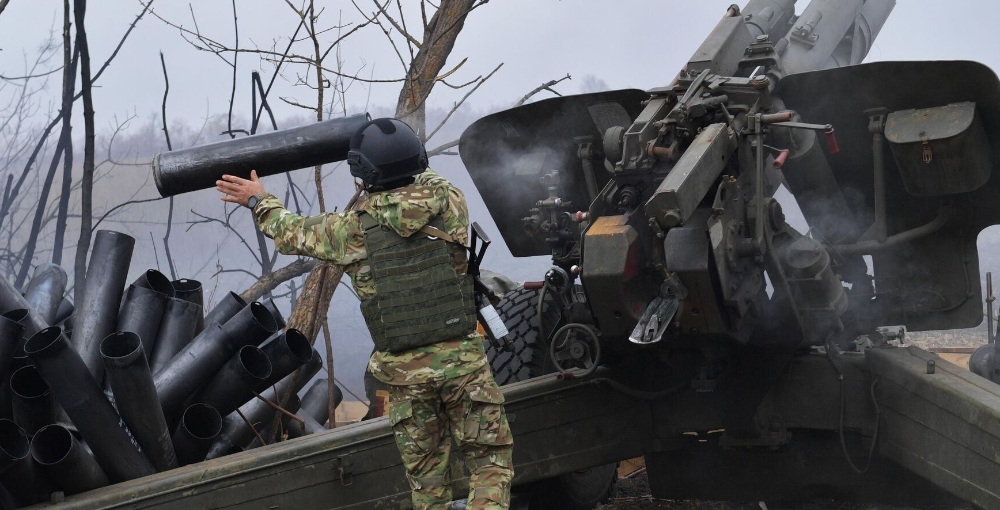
x=404, y=248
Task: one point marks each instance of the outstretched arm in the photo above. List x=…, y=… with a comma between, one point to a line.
x=333, y=237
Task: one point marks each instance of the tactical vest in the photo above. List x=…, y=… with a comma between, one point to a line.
x=420, y=299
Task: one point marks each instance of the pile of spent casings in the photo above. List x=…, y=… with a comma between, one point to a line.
x=139, y=379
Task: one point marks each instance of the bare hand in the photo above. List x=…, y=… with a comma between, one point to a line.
x=238, y=190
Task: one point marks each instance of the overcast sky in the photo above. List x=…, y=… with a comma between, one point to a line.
x=625, y=43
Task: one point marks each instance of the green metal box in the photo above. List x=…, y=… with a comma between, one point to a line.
x=940, y=151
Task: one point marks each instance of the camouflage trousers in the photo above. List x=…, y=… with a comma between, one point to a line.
x=425, y=418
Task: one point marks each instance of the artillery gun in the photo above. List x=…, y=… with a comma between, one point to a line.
x=684, y=320
x=760, y=347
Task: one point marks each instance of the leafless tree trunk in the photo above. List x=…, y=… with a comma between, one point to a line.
x=87, y=188
x=69, y=89
x=64, y=144
x=440, y=35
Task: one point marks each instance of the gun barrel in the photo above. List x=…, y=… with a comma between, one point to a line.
x=819, y=39
x=272, y=153
x=768, y=17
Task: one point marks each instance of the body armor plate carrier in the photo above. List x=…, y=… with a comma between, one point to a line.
x=420, y=299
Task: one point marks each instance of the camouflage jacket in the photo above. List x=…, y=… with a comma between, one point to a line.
x=338, y=238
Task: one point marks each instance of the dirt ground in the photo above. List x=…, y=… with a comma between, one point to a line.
x=632, y=493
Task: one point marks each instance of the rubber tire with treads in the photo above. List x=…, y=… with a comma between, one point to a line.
x=528, y=357
x=529, y=351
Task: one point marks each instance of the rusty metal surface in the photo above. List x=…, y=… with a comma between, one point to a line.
x=612, y=274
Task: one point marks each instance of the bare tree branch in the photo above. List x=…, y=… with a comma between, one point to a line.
x=62, y=215
x=462, y=101
x=545, y=86
x=269, y=282
x=426, y=66
x=87, y=190
x=31, y=76
x=170, y=210
x=400, y=29
x=232, y=95
x=121, y=205
x=442, y=149
x=121, y=42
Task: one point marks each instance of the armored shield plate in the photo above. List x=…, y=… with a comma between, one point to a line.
x=508, y=152
x=932, y=282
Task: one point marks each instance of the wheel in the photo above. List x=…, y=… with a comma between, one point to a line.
x=528, y=358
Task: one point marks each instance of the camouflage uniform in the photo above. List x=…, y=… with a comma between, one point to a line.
x=436, y=392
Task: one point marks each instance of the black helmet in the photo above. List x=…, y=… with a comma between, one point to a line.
x=386, y=150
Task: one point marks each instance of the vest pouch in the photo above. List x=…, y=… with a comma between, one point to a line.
x=420, y=299
x=940, y=151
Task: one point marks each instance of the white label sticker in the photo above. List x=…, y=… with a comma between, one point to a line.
x=715, y=233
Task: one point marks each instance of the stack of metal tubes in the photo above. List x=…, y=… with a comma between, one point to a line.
x=137, y=379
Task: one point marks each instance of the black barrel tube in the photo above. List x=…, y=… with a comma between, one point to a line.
x=81, y=397
x=18, y=358
x=64, y=311
x=251, y=326
x=269, y=303
x=185, y=170
x=13, y=444
x=32, y=401
x=22, y=476
x=97, y=315
x=309, y=370
x=45, y=291
x=200, y=426
x=226, y=309
x=141, y=313
x=287, y=350
x=155, y=280
x=191, y=368
x=11, y=355
x=177, y=328
x=11, y=299
x=65, y=461
x=135, y=396
x=67, y=326
x=308, y=426
x=11, y=334
x=27, y=482
x=315, y=401
x=196, y=364
x=191, y=291
x=237, y=381
x=292, y=406
x=236, y=433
